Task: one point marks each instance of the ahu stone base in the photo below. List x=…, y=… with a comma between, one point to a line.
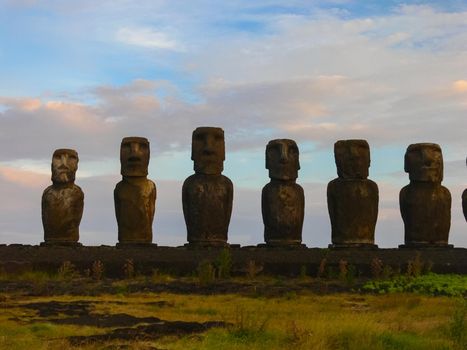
x=287, y=261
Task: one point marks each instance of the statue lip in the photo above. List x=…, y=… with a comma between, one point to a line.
x=424, y=167
x=134, y=160
x=212, y=157
x=209, y=153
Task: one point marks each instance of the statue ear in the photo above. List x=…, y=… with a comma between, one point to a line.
x=406, y=162
x=266, y=157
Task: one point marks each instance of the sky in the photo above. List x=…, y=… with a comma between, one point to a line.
x=84, y=74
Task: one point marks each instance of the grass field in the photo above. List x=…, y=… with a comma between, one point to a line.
x=40, y=311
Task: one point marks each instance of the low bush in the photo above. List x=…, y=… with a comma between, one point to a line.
x=223, y=264
x=429, y=284
x=97, y=270
x=206, y=273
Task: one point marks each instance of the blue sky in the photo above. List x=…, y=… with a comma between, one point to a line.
x=84, y=74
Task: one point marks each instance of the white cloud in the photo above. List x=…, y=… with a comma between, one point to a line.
x=147, y=38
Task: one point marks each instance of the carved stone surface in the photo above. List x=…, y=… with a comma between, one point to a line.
x=352, y=198
x=282, y=200
x=63, y=201
x=464, y=203
x=464, y=200
x=207, y=195
x=135, y=195
x=425, y=204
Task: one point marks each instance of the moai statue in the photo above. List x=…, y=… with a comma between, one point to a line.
x=352, y=197
x=425, y=205
x=282, y=199
x=135, y=195
x=464, y=200
x=207, y=195
x=63, y=201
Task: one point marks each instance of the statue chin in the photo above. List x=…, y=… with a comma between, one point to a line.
x=63, y=178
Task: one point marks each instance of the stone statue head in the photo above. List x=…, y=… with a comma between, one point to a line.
x=282, y=159
x=352, y=158
x=208, y=150
x=64, y=166
x=424, y=162
x=134, y=156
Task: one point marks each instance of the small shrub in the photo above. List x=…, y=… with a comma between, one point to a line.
x=343, y=269
x=223, y=264
x=247, y=322
x=97, y=270
x=67, y=271
x=129, y=269
x=322, y=268
x=206, y=273
x=415, y=266
x=252, y=269
x=376, y=267
x=303, y=272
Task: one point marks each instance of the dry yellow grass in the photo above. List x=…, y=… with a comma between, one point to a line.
x=305, y=321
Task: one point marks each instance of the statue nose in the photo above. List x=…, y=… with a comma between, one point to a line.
x=64, y=159
x=354, y=152
x=134, y=148
x=426, y=158
x=209, y=146
x=284, y=155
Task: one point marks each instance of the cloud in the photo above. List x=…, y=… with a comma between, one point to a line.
x=460, y=85
x=147, y=38
x=25, y=104
x=23, y=178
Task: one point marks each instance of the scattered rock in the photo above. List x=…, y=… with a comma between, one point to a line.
x=55, y=308
x=152, y=331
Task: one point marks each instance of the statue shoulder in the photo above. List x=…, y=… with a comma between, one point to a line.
x=227, y=181
x=78, y=190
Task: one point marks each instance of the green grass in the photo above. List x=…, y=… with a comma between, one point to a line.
x=430, y=284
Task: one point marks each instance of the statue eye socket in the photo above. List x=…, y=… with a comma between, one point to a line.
x=275, y=150
x=200, y=137
x=143, y=145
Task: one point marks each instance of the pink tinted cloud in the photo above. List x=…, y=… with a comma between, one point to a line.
x=24, y=178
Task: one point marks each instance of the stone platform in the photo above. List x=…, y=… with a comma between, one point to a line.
x=185, y=260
